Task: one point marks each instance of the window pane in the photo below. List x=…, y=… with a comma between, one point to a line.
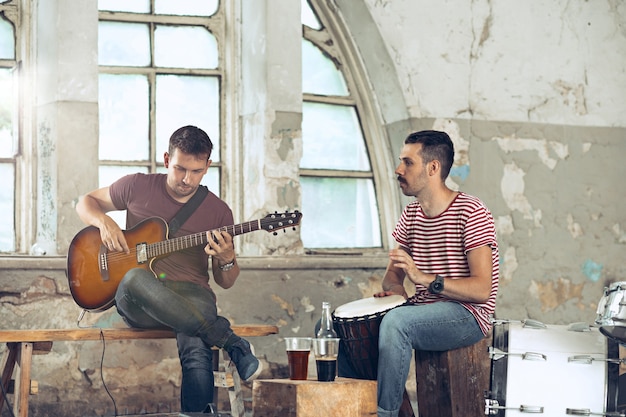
x=124, y=117
x=212, y=180
x=123, y=44
x=332, y=138
x=184, y=47
x=186, y=7
x=7, y=208
x=7, y=109
x=110, y=173
x=319, y=74
x=308, y=16
x=7, y=39
x=187, y=100
x=132, y=6
x=355, y=225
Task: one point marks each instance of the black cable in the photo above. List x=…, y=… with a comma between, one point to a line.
x=80, y=318
x=102, y=373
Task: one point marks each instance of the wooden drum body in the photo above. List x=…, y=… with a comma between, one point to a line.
x=357, y=324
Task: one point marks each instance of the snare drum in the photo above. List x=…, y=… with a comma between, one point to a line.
x=357, y=325
x=552, y=370
x=610, y=311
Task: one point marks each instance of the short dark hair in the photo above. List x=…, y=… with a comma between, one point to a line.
x=191, y=140
x=435, y=145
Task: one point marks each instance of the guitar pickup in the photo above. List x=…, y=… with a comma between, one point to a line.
x=142, y=253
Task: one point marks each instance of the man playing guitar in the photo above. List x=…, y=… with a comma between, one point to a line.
x=179, y=297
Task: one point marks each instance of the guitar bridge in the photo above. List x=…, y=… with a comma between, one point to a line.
x=142, y=253
x=103, y=263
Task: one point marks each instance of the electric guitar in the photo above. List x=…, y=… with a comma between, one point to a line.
x=94, y=272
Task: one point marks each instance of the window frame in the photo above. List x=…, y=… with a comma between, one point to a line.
x=18, y=13
x=215, y=24
x=335, y=41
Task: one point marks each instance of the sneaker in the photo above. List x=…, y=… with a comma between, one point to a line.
x=242, y=354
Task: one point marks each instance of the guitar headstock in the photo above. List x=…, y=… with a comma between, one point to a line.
x=276, y=221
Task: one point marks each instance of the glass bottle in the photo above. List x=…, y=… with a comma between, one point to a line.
x=326, y=325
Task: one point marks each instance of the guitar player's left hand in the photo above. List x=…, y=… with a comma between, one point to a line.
x=221, y=247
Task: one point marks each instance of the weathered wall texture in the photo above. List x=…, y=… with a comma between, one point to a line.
x=532, y=93
x=539, y=127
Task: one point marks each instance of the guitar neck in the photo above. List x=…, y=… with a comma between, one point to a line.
x=176, y=244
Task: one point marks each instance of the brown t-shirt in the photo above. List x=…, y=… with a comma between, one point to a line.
x=144, y=195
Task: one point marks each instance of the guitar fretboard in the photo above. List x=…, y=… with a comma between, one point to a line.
x=202, y=238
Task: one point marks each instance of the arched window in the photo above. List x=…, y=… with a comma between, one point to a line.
x=336, y=171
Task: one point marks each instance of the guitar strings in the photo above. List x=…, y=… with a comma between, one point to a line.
x=193, y=239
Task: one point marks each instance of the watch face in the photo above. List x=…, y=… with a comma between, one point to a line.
x=438, y=284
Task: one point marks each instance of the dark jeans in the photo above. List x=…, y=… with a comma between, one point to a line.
x=190, y=310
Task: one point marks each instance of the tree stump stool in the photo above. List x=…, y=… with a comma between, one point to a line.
x=453, y=383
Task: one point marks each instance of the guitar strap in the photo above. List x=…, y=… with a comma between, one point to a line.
x=185, y=211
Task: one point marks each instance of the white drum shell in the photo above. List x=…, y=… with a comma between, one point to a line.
x=556, y=383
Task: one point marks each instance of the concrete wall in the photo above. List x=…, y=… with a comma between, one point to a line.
x=532, y=94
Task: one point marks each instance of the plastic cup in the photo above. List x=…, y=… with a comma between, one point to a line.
x=298, y=349
x=325, y=351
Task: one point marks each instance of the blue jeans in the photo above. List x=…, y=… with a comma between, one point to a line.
x=434, y=327
x=190, y=310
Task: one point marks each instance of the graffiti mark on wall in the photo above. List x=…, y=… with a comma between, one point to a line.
x=592, y=270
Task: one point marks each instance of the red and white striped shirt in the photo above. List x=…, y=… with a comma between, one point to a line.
x=439, y=245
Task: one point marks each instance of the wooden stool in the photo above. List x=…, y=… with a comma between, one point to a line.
x=453, y=383
x=343, y=397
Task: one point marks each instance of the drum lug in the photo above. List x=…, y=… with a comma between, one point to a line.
x=587, y=412
x=530, y=323
x=492, y=407
x=584, y=359
x=534, y=324
x=588, y=360
x=495, y=354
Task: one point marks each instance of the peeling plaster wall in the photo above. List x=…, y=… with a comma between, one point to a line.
x=557, y=211
x=532, y=95
x=557, y=62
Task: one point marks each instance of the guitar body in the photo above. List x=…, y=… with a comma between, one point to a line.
x=93, y=283
x=94, y=273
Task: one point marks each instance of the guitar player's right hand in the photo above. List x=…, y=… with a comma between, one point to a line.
x=112, y=236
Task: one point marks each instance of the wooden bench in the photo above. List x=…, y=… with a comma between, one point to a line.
x=22, y=344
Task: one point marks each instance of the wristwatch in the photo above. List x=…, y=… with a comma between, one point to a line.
x=227, y=266
x=436, y=287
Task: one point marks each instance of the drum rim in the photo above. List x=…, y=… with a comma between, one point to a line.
x=392, y=302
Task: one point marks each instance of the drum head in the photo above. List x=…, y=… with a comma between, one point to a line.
x=367, y=306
